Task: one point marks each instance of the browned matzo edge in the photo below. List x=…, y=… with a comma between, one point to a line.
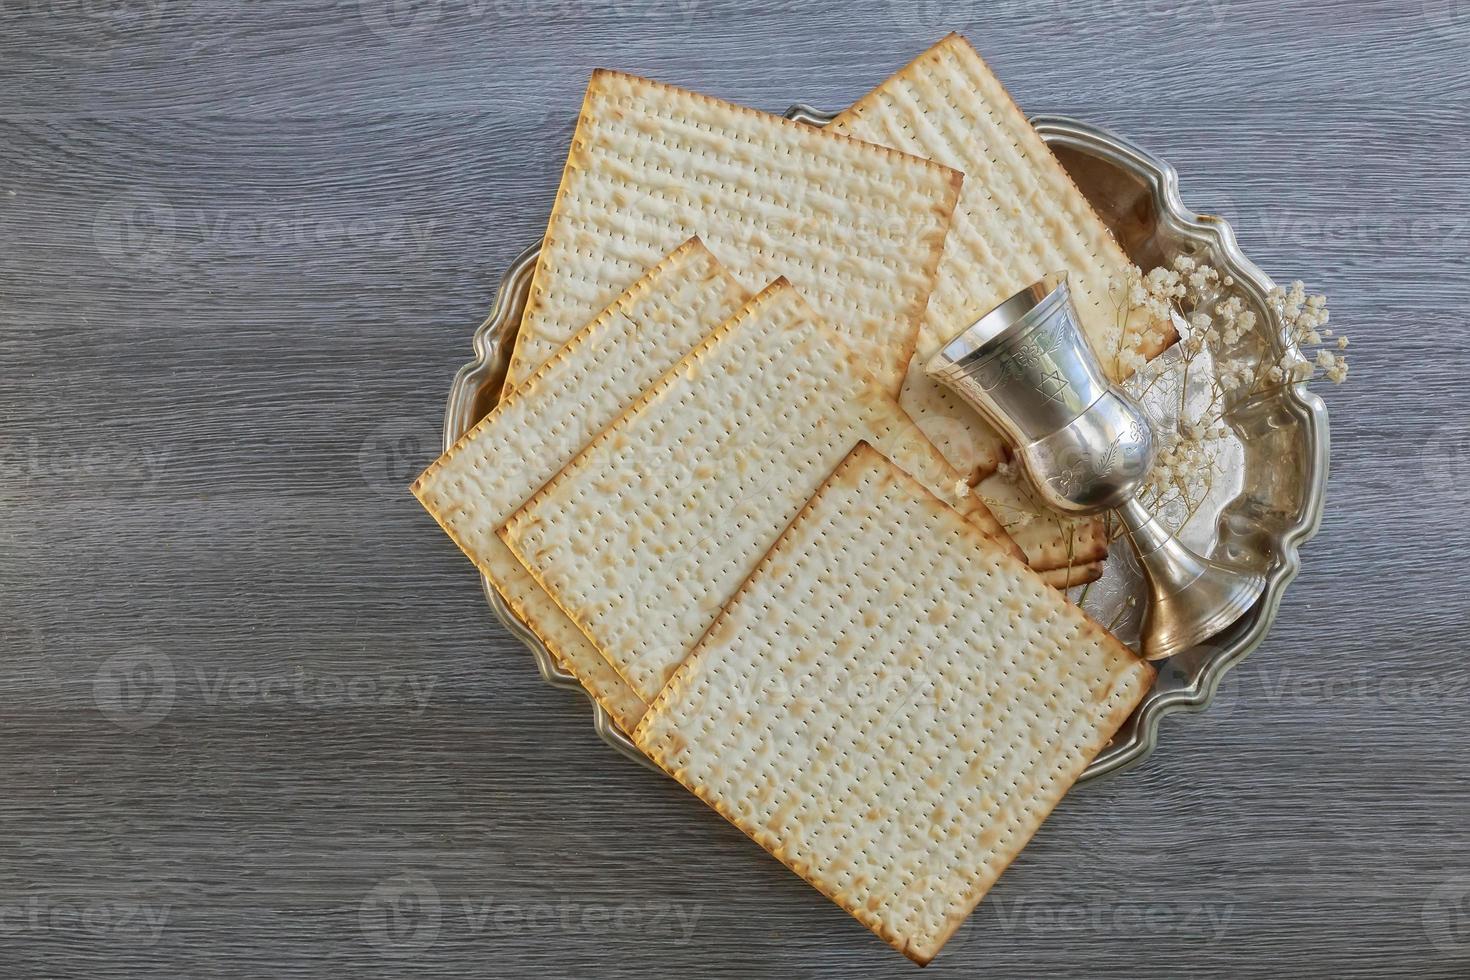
x=692, y=246
x=1050, y=540
x=1049, y=544
x=1127, y=687
x=620, y=701
x=904, y=331
x=690, y=275
x=1072, y=575
x=568, y=645
x=648, y=395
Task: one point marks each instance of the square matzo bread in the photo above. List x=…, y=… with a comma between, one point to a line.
x=651, y=529
x=892, y=705
x=495, y=467
x=857, y=228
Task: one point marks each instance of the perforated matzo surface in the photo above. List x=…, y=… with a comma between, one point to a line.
x=892, y=705
x=857, y=228
x=474, y=488
x=650, y=530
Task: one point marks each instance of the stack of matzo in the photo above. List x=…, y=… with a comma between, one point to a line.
x=858, y=228
x=647, y=534
x=496, y=467
x=701, y=493
x=1020, y=217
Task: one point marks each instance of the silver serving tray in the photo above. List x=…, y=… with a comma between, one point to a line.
x=1274, y=505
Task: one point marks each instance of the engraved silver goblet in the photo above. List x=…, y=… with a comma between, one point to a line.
x=1087, y=446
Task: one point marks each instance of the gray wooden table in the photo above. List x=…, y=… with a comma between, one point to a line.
x=255, y=717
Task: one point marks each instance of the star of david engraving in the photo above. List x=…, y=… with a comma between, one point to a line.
x=1052, y=386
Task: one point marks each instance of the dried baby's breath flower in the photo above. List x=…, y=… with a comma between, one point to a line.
x=1218, y=318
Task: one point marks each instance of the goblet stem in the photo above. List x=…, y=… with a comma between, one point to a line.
x=1191, y=598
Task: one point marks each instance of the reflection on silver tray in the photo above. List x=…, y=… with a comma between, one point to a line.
x=1259, y=519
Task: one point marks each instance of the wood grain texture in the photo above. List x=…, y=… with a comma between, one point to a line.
x=258, y=720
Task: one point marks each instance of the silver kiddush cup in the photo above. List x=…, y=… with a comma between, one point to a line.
x=1087, y=446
